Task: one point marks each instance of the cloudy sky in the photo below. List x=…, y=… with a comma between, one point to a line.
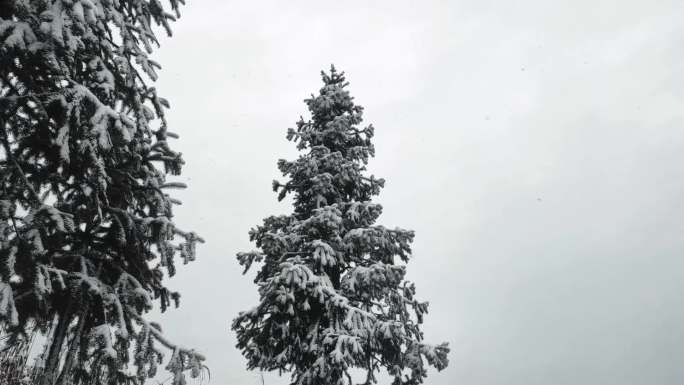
x=536, y=147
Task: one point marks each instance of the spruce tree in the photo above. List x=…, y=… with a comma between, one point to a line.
x=86, y=232
x=333, y=297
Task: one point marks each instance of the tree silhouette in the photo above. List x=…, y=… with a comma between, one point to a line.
x=332, y=291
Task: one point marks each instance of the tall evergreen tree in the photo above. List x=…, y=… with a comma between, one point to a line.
x=332, y=291
x=86, y=231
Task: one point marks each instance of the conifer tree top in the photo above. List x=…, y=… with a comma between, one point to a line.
x=338, y=150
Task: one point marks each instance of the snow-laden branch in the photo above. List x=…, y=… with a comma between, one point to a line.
x=160, y=337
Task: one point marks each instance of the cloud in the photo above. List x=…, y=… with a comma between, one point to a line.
x=535, y=147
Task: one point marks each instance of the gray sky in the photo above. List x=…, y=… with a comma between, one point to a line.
x=534, y=146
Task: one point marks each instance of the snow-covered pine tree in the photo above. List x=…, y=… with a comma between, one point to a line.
x=333, y=297
x=86, y=231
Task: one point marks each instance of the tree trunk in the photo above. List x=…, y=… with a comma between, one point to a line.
x=52, y=362
x=65, y=374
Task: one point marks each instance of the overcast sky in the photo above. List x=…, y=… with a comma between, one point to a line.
x=536, y=148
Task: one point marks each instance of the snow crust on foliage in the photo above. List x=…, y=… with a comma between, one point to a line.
x=103, y=334
x=7, y=308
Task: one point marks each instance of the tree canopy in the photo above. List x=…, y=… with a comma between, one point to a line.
x=87, y=237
